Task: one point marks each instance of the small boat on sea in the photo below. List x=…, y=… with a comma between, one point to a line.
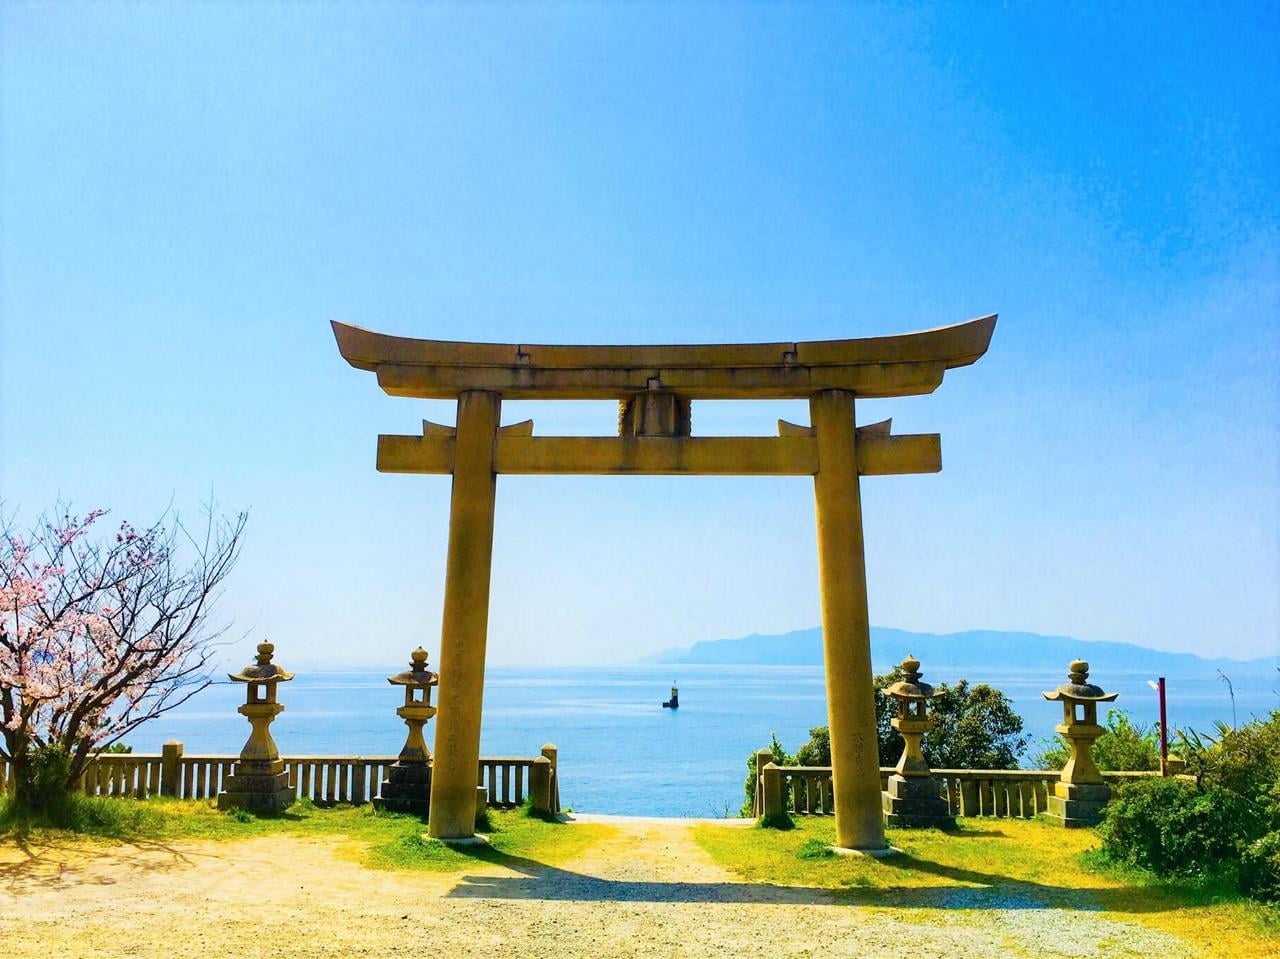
x=674, y=701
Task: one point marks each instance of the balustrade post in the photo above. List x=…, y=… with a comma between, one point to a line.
x=553, y=754
x=763, y=758
x=171, y=768
x=969, y=798
x=540, y=794
x=774, y=794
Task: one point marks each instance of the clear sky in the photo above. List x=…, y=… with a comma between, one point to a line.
x=189, y=193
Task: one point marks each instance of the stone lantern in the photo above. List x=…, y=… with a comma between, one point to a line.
x=1081, y=792
x=259, y=782
x=914, y=797
x=407, y=787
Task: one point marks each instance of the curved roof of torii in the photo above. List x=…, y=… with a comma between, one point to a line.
x=876, y=366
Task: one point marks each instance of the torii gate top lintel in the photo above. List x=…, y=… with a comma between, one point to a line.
x=879, y=366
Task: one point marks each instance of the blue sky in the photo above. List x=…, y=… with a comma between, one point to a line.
x=189, y=193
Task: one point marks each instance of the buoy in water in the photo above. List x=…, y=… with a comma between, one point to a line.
x=674, y=701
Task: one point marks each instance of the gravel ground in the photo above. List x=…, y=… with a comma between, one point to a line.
x=648, y=890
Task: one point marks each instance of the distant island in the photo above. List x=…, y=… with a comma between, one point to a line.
x=975, y=648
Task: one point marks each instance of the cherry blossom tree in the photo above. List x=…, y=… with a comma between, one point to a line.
x=101, y=631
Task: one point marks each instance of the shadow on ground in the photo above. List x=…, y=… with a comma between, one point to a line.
x=42, y=866
x=539, y=881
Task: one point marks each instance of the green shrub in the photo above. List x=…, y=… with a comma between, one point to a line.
x=1244, y=762
x=815, y=849
x=817, y=751
x=40, y=786
x=779, y=757
x=528, y=810
x=974, y=727
x=1125, y=745
x=96, y=815
x=1260, y=868
x=1176, y=829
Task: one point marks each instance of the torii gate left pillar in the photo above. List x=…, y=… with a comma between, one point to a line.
x=465, y=630
x=655, y=387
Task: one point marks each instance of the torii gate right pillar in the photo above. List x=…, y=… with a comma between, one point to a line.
x=846, y=632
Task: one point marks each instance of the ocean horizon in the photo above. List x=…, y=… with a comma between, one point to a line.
x=620, y=751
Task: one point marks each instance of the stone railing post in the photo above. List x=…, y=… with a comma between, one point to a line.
x=482, y=801
x=763, y=758
x=774, y=802
x=540, y=790
x=553, y=754
x=171, y=768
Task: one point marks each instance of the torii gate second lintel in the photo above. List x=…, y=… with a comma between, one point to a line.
x=655, y=386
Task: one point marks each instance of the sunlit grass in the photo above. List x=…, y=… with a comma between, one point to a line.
x=377, y=839
x=1054, y=866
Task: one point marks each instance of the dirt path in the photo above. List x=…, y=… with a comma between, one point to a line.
x=647, y=890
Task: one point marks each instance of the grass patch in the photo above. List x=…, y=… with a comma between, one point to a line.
x=90, y=816
x=382, y=840
x=1019, y=858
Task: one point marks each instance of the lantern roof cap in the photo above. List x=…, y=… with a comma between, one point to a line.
x=417, y=675
x=262, y=670
x=910, y=687
x=1079, y=689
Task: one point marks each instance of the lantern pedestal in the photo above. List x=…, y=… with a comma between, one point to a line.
x=407, y=788
x=1078, y=805
x=257, y=787
x=916, y=802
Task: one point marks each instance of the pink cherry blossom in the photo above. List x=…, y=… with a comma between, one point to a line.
x=96, y=638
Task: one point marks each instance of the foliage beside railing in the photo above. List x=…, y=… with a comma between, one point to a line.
x=1003, y=793
x=325, y=780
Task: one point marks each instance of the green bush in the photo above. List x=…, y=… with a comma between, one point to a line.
x=815, y=849
x=779, y=757
x=91, y=815
x=40, y=787
x=1125, y=745
x=1260, y=868
x=1244, y=762
x=1175, y=829
x=817, y=751
x=975, y=727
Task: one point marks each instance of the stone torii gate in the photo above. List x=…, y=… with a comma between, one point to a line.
x=654, y=386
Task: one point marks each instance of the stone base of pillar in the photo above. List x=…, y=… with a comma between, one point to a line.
x=915, y=802
x=257, y=786
x=1077, y=805
x=407, y=788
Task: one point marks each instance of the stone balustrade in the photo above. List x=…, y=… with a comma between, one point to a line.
x=1002, y=793
x=325, y=780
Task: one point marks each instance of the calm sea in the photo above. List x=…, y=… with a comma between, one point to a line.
x=620, y=752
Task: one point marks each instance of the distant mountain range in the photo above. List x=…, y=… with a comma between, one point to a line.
x=976, y=648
